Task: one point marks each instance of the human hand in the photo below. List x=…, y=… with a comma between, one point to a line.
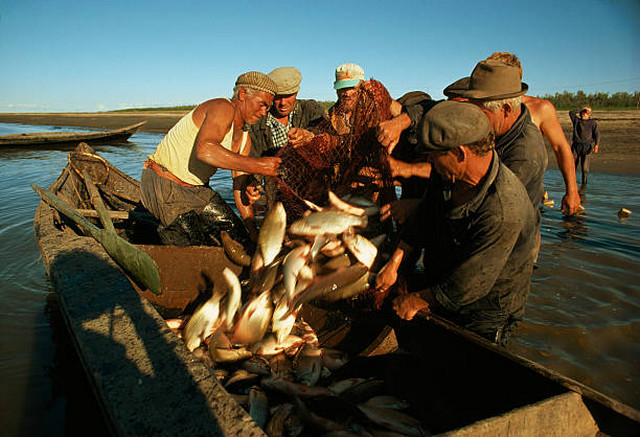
x=298, y=136
x=596, y=149
x=387, y=276
x=252, y=193
x=268, y=166
x=570, y=202
x=400, y=210
x=407, y=305
x=389, y=131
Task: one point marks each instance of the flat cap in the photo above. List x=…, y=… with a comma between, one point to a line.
x=257, y=81
x=287, y=79
x=450, y=124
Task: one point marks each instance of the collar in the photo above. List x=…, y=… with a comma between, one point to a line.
x=516, y=130
x=272, y=119
x=474, y=203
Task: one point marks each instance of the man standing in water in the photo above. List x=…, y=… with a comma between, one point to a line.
x=175, y=180
x=476, y=225
x=543, y=115
x=586, y=139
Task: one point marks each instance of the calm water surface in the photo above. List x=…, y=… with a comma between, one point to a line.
x=583, y=315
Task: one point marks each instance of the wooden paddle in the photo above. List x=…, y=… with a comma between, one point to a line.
x=132, y=259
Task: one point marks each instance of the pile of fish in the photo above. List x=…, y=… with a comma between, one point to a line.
x=269, y=358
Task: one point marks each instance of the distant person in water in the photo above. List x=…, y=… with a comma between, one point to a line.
x=543, y=115
x=175, y=180
x=586, y=139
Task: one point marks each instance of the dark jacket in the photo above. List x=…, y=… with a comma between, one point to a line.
x=307, y=113
x=478, y=257
x=586, y=133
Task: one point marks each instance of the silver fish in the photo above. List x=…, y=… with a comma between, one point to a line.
x=360, y=285
x=240, y=378
x=333, y=248
x=223, y=355
x=370, y=207
x=234, y=250
x=258, y=406
x=272, y=232
x=202, y=322
x=386, y=401
x=293, y=389
x=308, y=365
x=254, y=321
x=333, y=359
x=281, y=366
x=293, y=262
x=343, y=385
x=275, y=427
x=394, y=420
x=364, y=250
x=234, y=296
x=331, y=283
x=326, y=222
x=257, y=364
x=345, y=206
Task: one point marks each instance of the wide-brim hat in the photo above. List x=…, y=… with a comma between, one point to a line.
x=490, y=80
x=288, y=80
x=450, y=124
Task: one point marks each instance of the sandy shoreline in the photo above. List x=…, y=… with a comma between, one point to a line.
x=620, y=131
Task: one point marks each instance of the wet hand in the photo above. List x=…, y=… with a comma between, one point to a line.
x=298, y=136
x=389, y=133
x=400, y=210
x=387, y=276
x=269, y=166
x=570, y=203
x=407, y=305
x=253, y=194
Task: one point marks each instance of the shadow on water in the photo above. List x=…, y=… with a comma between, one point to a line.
x=122, y=345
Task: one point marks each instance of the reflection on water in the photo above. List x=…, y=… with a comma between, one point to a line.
x=583, y=311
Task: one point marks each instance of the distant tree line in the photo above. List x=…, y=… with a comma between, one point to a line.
x=562, y=101
x=620, y=100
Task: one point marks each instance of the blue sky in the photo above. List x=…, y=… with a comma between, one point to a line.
x=101, y=55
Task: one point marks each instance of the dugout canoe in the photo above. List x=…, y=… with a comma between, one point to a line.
x=42, y=139
x=148, y=383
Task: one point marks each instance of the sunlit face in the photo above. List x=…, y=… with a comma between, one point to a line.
x=446, y=164
x=284, y=104
x=256, y=106
x=347, y=98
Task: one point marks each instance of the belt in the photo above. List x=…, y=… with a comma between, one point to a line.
x=165, y=174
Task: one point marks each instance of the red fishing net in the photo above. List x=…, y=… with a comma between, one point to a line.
x=354, y=162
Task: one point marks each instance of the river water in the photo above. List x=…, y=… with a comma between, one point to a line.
x=583, y=315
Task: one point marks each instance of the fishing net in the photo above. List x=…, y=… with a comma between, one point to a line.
x=354, y=162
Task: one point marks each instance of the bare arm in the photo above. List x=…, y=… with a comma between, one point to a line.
x=218, y=117
x=550, y=127
x=241, y=181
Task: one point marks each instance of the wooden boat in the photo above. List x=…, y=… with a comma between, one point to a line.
x=68, y=138
x=149, y=383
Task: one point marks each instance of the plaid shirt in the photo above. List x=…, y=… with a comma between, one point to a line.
x=278, y=130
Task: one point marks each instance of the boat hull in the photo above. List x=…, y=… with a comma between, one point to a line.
x=149, y=383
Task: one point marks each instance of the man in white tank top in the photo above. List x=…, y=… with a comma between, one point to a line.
x=175, y=181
